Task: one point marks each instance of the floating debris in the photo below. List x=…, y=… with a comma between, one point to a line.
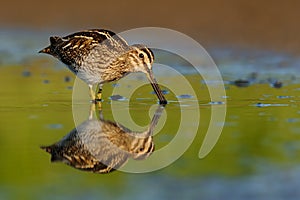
x=185, y=96
x=70, y=87
x=117, y=98
x=26, y=73
x=241, y=83
x=67, y=79
x=276, y=84
x=46, y=81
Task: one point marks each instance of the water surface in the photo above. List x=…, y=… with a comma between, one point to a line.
x=257, y=155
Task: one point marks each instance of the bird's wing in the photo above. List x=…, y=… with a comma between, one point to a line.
x=75, y=47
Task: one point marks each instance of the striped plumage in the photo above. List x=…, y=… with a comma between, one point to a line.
x=98, y=56
x=102, y=146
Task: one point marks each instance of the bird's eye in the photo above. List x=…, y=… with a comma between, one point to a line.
x=141, y=149
x=141, y=55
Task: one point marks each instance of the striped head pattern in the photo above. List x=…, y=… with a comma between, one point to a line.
x=142, y=58
x=141, y=148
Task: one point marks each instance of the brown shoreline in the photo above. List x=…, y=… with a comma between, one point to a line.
x=263, y=24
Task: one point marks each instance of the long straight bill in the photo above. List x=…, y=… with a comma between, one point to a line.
x=157, y=90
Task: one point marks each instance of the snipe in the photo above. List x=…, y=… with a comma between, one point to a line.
x=98, y=56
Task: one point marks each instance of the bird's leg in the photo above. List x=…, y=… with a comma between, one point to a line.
x=99, y=97
x=96, y=110
x=99, y=92
x=98, y=104
x=92, y=93
x=92, y=110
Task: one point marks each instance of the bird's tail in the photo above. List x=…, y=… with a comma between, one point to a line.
x=54, y=41
x=46, y=50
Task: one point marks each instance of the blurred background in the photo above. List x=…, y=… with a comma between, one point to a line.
x=256, y=47
x=270, y=24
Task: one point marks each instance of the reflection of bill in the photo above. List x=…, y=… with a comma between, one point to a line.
x=102, y=146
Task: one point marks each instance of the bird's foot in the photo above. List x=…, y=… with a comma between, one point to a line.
x=96, y=101
x=99, y=96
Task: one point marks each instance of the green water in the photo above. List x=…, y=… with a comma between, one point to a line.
x=257, y=151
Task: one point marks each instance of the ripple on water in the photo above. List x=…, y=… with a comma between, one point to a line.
x=117, y=98
x=216, y=103
x=185, y=96
x=163, y=91
x=143, y=98
x=54, y=126
x=295, y=130
x=293, y=120
x=32, y=116
x=260, y=105
x=284, y=97
x=115, y=85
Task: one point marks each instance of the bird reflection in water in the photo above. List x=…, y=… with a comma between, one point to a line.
x=101, y=146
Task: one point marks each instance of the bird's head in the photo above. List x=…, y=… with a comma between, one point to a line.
x=141, y=59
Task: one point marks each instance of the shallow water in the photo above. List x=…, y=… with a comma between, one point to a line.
x=256, y=156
